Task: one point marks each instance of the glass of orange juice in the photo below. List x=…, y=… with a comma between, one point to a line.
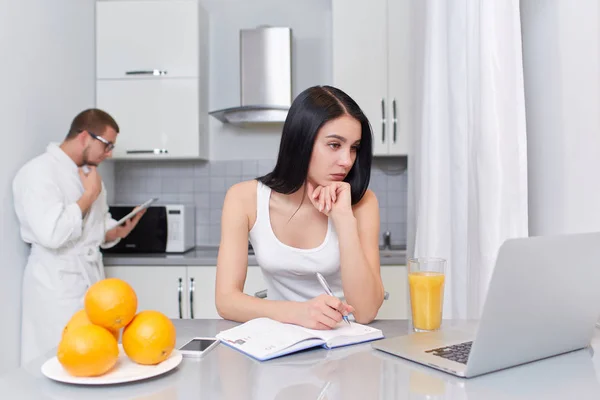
x=426, y=285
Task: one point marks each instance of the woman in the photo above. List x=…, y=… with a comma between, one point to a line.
x=312, y=213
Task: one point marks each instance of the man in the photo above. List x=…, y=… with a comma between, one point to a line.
x=60, y=201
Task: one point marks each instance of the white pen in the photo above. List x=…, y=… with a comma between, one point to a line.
x=323, y=283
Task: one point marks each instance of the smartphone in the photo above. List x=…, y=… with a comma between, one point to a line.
x=198, y=346
x=136, y=210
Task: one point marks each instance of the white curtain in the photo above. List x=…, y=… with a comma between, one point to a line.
x=468, y=166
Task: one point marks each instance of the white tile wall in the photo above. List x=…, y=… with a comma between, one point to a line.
x=204, y=185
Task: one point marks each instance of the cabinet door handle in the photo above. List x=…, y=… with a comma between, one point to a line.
x=180, y=296
x=394, y=120
x=155, y=72
x=383, y=120
x=150, y=151
x=192, y=288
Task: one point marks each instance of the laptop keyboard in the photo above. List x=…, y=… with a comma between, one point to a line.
x=458, y=352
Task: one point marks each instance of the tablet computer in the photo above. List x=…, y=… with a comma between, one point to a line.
x=136, y=210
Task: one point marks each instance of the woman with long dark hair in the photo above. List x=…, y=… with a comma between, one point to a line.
x=312, y=213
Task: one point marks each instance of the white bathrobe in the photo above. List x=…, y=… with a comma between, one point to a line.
x=65, y=257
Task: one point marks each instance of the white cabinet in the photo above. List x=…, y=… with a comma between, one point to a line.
x=395, y=282
x=371, y=55
x=179, y=291
x=157, y=288
x=160, y=110
x=152, y=76
x=189, y=291
x=254, y=281
x=137, y=36
x=202, y=282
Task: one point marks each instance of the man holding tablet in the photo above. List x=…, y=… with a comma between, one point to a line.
x=60, y=201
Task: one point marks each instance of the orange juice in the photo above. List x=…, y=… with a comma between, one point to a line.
x=426, y=299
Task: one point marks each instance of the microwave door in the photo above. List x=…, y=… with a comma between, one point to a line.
x=149, y=235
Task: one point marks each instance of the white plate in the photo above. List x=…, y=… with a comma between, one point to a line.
x=124, y=371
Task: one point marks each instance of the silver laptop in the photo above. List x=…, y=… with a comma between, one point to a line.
x=543, y=300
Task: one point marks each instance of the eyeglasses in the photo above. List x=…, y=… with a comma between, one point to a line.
x=108, y=145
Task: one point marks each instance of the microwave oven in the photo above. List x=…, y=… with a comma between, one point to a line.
x=167, y=228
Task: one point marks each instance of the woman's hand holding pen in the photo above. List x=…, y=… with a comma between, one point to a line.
x=322, y=312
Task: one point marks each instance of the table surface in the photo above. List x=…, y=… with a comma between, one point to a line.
x=352, y=372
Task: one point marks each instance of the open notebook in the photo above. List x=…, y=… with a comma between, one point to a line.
x=264, y=338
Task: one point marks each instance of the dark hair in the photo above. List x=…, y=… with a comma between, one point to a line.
x=310, y=110
x=92, y=120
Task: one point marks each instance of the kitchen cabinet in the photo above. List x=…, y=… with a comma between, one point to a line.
x=202, y=279
x=254, y=281
x=189, y=291
x=152, y=76
x=179, y=291
x=371, y=63
x=157, y=288
x=133, y=36
x=160, y=109
x=201, y=290
x=395, y=282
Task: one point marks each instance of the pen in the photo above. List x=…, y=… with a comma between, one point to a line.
x=323, y=283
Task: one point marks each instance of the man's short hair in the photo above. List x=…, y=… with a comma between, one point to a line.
x=92, y=120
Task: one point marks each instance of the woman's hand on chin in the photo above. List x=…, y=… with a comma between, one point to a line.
x=333, y=199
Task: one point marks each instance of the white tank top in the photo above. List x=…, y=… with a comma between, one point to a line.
x=289, y=272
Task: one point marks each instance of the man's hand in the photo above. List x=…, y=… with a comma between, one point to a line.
x=92, y=186
x=121, y=231
x=92, y=182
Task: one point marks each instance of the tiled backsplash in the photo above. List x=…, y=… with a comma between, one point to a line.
x=204, y=184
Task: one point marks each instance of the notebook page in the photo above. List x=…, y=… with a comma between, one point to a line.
x=263, y=337
x=347, y=334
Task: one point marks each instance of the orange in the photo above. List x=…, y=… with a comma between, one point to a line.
x=150, y=338
x=115, y=333
x=110, y=303
x=80, y=318
x=88, y=350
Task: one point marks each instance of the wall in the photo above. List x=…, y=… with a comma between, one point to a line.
x=243, y=153
x=562, y=93
x=204, y=185
x=310, y=21
x=46, y=76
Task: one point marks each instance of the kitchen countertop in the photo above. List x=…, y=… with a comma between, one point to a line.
x=207, y=256
x=352, y=372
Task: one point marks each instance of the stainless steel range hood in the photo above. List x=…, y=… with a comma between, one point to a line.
x=265, y=77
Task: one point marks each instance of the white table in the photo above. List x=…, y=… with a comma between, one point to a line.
x=353, y=372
